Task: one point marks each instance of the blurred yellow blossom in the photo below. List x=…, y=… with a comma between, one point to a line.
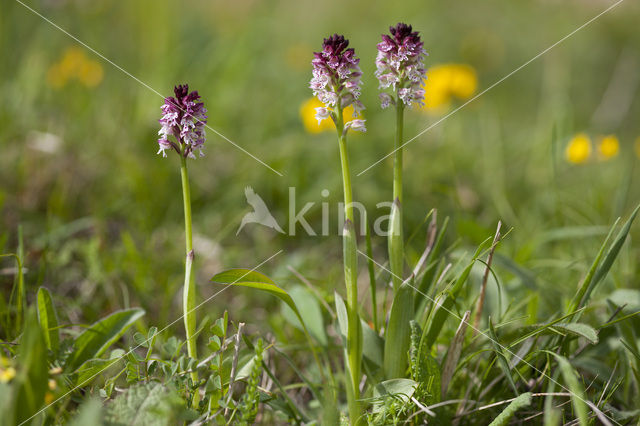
x=74, y=64
x=608, y=147
x=446, y=81
x=6, y=374
x=308, y=116
x=579, y=149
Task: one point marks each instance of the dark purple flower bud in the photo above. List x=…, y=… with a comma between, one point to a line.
x=184, y=118
x=400, y=65
x=336, y=78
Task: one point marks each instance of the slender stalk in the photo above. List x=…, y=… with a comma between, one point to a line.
x=189, y=290
x=397, y=338
x=354, y=337
x=396, y=242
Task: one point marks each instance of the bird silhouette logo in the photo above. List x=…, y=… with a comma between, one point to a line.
x=260, y=213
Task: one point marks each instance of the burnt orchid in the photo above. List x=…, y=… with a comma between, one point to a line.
x=184, y=118
x=336, y=82
x=400, y=65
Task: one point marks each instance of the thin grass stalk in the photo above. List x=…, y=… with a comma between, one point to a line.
x=485, y=278
x=189, y=290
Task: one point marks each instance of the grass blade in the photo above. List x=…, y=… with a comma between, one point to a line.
x=502, y=360
x=48, y=319
x=577, y=392
x=453, y=355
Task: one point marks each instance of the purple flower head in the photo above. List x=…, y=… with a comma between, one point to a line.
x=184, y=118
x=336, y=78
x=400, y=65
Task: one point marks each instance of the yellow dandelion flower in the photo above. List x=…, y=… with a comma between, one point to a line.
x=90, y=73
x=446, y=81
x=56, y=77
x=464, y=81
x=74, y=64
x=636, y=147
x=48, y=398
x=579, y=149
x=308, y=116
x=72, y=61
x=7, y=374
x=608, y=147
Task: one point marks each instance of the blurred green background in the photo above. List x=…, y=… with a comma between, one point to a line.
x=102, y=213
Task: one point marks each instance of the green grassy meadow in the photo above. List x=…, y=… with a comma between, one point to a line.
x=96, y=217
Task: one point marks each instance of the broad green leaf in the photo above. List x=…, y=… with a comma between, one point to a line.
x=372, y=344
x=253, y=279
x=578, y=329
x=341, y=314
x=521, y=401
x=307, y=303
x=48, y=319
x=398, y=334
x=627, y=297
x=96, y=339
x=577, y=392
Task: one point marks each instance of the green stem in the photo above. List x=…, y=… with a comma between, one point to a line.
x=397, y=164
x=189, y=290
x=397, y=336
x=396, y=242
x=354, y=334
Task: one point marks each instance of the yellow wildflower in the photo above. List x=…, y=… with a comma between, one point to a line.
x=90, y=73
x=52, y=384
x=74, y=64
x=56, y=77
x=608, y=147
x=579, y=149
x=446, y=81
x=308, y=116
x=7, y=374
